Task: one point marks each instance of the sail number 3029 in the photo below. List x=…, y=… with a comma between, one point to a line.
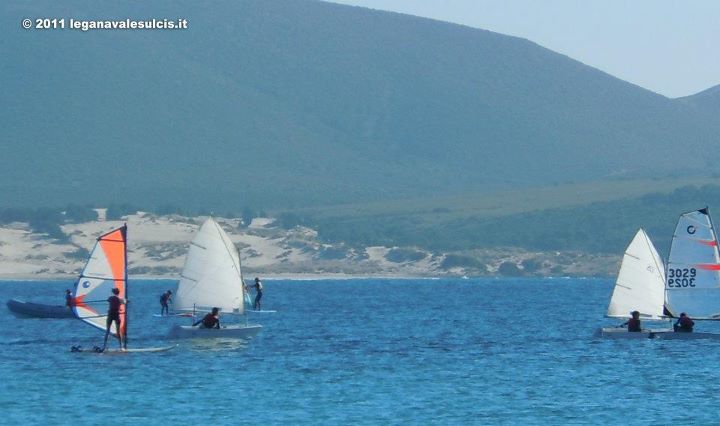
x=681, y=277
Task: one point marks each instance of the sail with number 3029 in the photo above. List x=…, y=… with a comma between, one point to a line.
x=692, y=285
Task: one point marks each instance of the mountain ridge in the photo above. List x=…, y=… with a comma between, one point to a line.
x=285, y=104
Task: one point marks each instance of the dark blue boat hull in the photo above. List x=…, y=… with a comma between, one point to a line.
x=22, y=309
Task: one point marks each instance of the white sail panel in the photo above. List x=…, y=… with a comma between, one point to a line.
x=211, y=276
x=640, y=285
x=693, y=278
x=106, y=269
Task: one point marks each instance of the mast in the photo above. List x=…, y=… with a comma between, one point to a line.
x=125, y=333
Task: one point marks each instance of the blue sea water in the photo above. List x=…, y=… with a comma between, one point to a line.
x=478, y=351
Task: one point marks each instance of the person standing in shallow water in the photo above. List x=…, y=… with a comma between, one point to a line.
x=258, y=293
x=114, y=303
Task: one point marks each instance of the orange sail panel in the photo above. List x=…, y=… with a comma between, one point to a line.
x=106, y=269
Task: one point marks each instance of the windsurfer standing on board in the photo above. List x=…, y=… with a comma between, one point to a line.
x=114, y=302
x=258, y=293
x=211, y=320
x=164, y=299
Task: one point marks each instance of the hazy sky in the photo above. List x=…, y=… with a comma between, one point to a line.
x=667, y=46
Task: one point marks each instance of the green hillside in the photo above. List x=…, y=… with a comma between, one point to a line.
x=596, y=218
x=284, y=104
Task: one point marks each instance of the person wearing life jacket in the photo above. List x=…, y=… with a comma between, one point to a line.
x=633, y=324
x=684, y=324
x=211, y=320
x=164, y=299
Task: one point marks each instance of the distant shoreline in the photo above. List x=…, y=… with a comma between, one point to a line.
x=304, y=277
x=269, y=277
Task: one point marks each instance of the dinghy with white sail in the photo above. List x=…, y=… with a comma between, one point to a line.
x=693, y=272
x=693, y=278
x=691, y=283
x=106, y=269
x=211, y=278
x=640, y=286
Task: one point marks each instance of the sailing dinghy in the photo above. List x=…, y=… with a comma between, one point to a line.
x=212, y=277
x=691, y=283
x=106, y=269
x=640, y=286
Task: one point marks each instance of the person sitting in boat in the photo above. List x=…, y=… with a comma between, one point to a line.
x=258, y=293
x=684, y=324
x=633, y=324
x=211, y=320
x=69, y=299
x=164, y=300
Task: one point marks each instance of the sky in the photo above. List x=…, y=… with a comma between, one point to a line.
x=667, y=46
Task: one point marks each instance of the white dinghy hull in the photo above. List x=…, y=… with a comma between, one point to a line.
x=664, y=334
x=687, y=336
x=622, y=333
x=232, y=331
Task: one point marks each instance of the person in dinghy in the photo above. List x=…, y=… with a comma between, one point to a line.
x=211, y=320
x=633, y=324
x=684, y=324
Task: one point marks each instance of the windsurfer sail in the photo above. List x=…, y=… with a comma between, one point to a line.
x=105, y=270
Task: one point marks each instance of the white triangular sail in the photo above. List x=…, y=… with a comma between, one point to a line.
x=693, y=269
x=106, y=269
x=211, y=276
x=640, y=284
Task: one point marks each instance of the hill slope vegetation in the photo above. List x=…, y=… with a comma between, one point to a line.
x=291, y=103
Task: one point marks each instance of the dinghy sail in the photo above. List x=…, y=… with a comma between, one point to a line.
x=640, y=284
x=693, y=268
x=211, y=276
x=106, y=269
